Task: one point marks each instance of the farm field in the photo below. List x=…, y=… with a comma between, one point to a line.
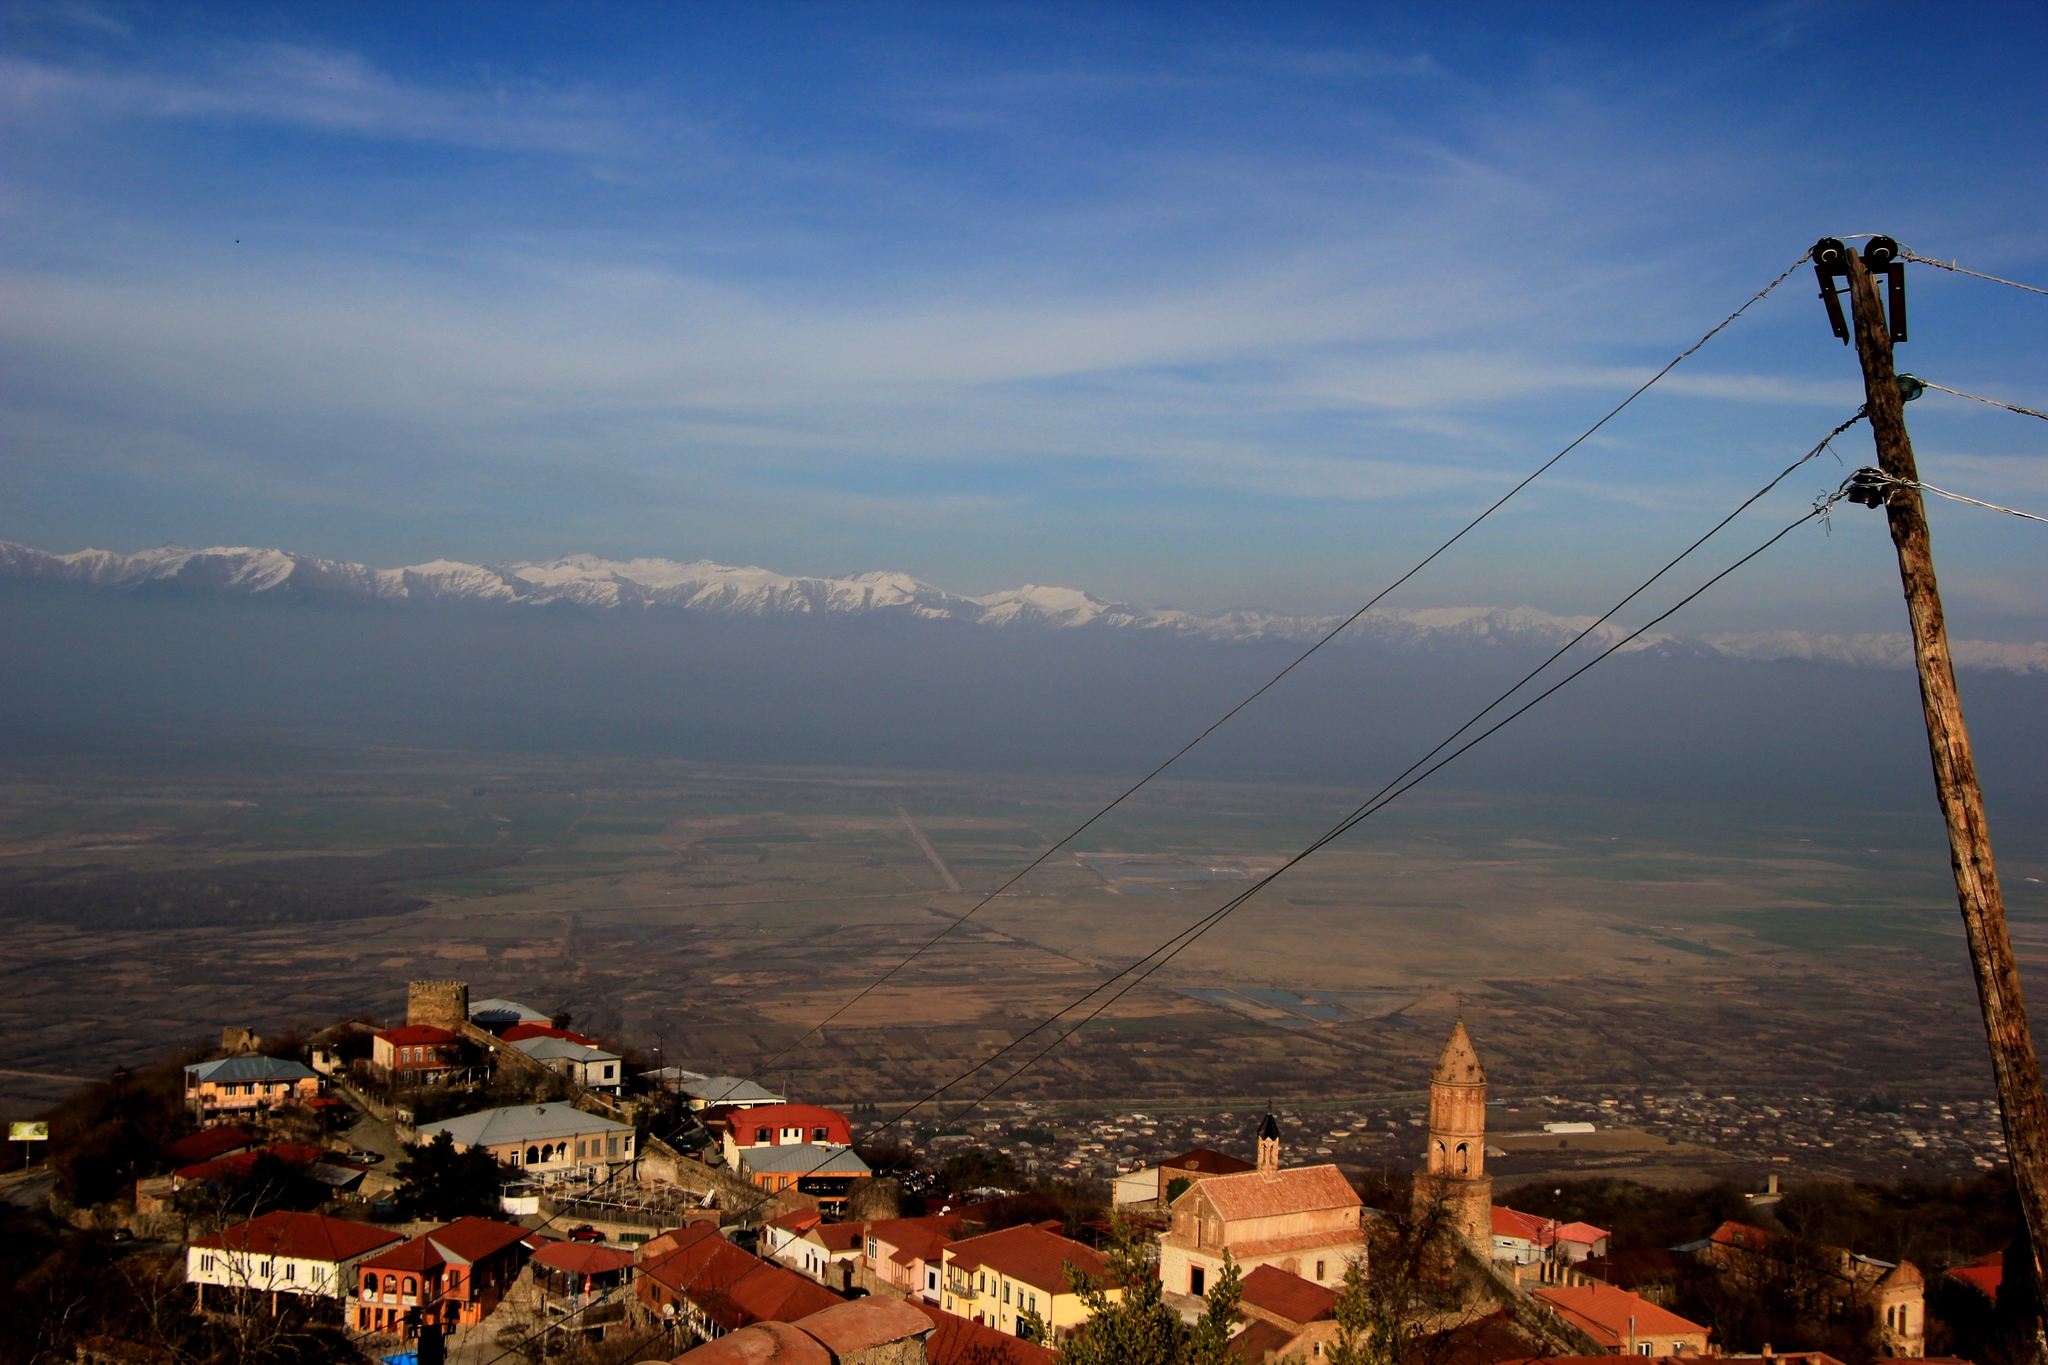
x=717, y=916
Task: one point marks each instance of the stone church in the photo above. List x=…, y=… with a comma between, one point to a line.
x=1305, y=1220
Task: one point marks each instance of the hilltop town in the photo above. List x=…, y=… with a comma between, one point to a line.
x=482, y=1181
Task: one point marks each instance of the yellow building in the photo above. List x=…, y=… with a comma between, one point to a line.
x=1000, y=1278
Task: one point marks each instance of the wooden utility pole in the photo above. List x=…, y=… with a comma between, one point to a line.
x=2013, y=1062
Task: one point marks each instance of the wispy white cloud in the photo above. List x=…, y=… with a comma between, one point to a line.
x=331, y=91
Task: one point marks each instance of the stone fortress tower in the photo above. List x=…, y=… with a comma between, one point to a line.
x=444, y=1004
x=1457, y=1144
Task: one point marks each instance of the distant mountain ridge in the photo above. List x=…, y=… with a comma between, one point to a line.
x=702, y=586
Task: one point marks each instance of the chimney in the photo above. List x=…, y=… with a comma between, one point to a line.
x=1269, y=1146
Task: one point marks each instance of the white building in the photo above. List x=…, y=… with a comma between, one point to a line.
x=555, y=1137
x=285, y=1253
x=590, y=1067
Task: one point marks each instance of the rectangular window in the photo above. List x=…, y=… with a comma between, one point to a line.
x=1195, y=1279
x=291, y=1270
x=1006, y=1291
x=821, y=1134
x=1319, y=1270
x=611, y=1146
x=206, y=1262
x=1643, y=1349
x=874, y=1246
x=1033, y=1305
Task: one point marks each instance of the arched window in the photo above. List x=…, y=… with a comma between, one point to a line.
x=412, y=1286
x=1464, y=1159
x=532, y=1155
x=547, y=1153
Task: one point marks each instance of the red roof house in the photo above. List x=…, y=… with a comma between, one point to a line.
x=697, y=1273
x=1622, y=1321
x=1289, y=1300
x=209, y=1143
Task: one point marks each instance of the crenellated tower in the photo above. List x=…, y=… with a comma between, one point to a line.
x=1456, y=1171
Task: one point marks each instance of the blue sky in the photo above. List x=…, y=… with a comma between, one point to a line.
x=1196, y=306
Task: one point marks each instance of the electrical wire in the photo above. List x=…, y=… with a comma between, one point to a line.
x=1908, y=254
x=1877, y=480
x=2009, y=407
x=1401, y=782
x=1270, y=683
x=1189, y=935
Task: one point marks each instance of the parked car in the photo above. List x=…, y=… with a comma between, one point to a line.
x=586, y=1233
x=124, y=1234
x=367, y=1158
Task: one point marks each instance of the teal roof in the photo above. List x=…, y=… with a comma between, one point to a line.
x=250, y=1069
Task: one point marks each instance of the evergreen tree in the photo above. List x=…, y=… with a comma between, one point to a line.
x=1137, y=1327
x=441, y=1183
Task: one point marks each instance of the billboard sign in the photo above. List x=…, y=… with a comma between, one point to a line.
x=28, y=1132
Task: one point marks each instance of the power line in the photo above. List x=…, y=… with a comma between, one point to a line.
x=2009, y=407
x=1408, y=777
x=1392, y=791
x=1910, y=255
x=1270, y=683
x=1875, y=486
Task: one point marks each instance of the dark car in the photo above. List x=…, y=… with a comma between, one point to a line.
x=124, y=1234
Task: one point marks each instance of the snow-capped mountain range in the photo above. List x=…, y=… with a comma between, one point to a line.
x=703, y=586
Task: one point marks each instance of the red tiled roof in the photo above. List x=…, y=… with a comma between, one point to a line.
x=521, y=1032
x=1605, y=1313
x=798, y=1221
x=578, y=1258
x=1515, y=1223
x=1260, y=1340
x=1300, y=1189
x=918, y=1239
x=242, y=1165
x=1205, y=1161
x=860, y=1324
x=778, y=1116
x=1031, y=1254
x=1734, y=1234
x=963, y=1341
x=208, y=1144
x=1300, y=1241
x=305, y=1236
x=1585, y=1234
x=775, y=1293
x=837, y=1236
x=674, y=1239
x=733, y=1287
x=472, y=1239
x=413, y=1034
x=764, y=1343
x=1985, y=1274
x=1288, y=1296
x=417, y=1255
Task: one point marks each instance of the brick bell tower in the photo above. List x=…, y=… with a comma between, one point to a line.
x=1457, y=1144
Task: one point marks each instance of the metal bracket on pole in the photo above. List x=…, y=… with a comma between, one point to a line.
x=1881, y=257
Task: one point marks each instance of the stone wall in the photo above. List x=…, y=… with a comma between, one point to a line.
x=444, y=1004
